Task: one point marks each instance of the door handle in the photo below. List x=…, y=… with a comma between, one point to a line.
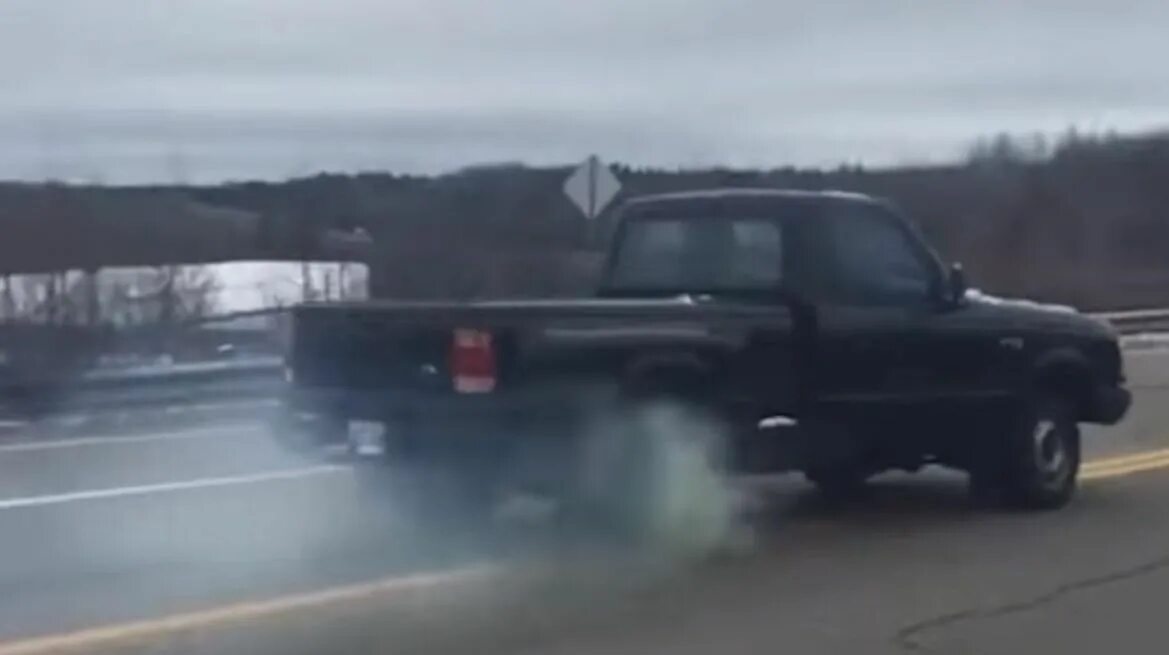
x=1011, y=343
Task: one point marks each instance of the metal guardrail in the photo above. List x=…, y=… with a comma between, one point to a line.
x=261, y=378
x=148, y=387
x=1138, y=321
x=175, y=384
x=195, y=370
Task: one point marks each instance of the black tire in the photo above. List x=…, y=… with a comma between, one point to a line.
x=636, y=469
x=1036, y=466
x=618, y=499
x=842, y=482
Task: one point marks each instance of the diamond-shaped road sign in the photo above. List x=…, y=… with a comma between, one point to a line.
x=591, y=187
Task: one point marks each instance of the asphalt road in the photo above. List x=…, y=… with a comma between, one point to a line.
x=214, y=540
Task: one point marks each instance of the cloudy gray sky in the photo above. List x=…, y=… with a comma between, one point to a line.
x=204, y=90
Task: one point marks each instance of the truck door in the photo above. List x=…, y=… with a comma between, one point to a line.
x=887, y=340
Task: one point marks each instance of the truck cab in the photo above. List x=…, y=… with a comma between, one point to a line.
x=825, y=312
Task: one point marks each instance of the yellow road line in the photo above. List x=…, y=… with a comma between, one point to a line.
x=1123, y=469
x=139, y=631
x=136, y=631
x=1124, y=460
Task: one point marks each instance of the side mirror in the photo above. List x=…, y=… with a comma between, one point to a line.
x=956, y=285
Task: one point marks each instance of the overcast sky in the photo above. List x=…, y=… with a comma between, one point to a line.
x=205, y=90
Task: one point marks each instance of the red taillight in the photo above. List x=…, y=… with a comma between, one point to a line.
x=472, y=361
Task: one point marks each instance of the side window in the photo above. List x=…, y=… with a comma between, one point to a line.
x=650, y=254
x=875, y=260
x=699, y=253
x=760, y=253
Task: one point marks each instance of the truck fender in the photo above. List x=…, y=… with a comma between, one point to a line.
x=680, y=373
x=1066, y=372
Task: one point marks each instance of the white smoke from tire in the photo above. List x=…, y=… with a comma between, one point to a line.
x=662, y=463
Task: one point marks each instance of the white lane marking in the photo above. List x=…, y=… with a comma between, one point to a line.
x=143, y=412
x=80, y=442
x=231, y=404
x=167, y=487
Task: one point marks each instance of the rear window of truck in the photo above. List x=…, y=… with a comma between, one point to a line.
x=697, y=253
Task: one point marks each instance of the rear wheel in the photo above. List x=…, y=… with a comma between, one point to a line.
x=1037, y=463
x=658, y=465
x=841, y=458
x=841, y=482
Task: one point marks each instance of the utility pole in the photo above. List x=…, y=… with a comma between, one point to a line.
x=167, y=298
x=51, y=304
x=306, y=282
x=8, y=309
x=329, y=284
x=92, y=298
x=342, y=281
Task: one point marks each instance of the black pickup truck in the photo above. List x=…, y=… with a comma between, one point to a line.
x=817, y=330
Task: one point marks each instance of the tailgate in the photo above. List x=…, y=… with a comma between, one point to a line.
x=368, y=349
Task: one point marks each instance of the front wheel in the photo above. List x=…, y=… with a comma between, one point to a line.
x=1037, y=463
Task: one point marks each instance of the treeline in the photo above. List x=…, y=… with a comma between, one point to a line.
x=1083, y=219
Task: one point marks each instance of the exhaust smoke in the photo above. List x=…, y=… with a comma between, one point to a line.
x=661, y=469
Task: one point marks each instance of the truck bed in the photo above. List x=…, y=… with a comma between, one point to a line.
x=395, y=358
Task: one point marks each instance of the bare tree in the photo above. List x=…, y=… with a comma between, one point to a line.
x=196, y=291
x=160, y=296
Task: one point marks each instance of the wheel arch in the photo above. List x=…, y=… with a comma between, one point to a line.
x=1067, y=374
x=682, y=374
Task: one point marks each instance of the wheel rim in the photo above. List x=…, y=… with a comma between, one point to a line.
x=1050, y=451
